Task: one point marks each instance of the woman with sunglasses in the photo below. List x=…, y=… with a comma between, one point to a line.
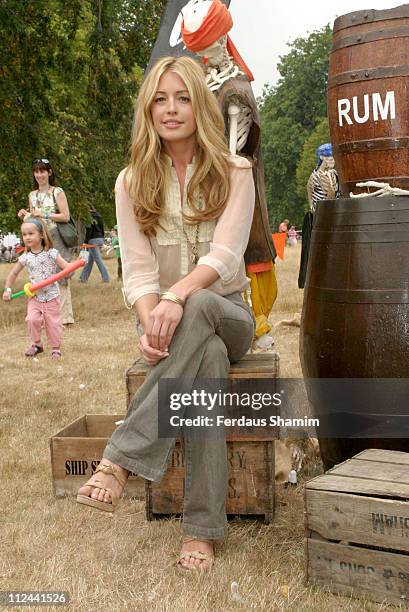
x=49, y=203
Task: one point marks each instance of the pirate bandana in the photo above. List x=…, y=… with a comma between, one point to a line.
x=216, y=24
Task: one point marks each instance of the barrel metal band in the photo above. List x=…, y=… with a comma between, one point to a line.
x=328, y=220
x=374, y=144
x=368, y=74
x=371, y=203
x=370, y=16
x=359, y=237
x=360, y=39
x=358, y=296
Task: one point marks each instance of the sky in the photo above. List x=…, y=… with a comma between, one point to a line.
x=262, y=28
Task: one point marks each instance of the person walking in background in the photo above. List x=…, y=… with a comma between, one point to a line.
x=41, y=261
x=283, y=227
x=49, y=203
x=115, y=245
x=292, y=236
x=95, y=237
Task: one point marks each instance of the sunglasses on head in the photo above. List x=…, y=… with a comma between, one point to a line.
x=42, y=161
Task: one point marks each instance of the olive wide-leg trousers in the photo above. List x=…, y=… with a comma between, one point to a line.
x=214, y=332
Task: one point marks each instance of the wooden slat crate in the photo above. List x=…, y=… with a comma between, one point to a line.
x=256, y=365
x=357, y=527
x=250, y=488
x=251, y=457
x=252, y=366
x=77, y=450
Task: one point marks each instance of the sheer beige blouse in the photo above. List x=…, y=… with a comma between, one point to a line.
x=154, y=264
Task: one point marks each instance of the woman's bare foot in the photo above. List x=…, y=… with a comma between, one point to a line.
x=201, y=557
x=109, y=476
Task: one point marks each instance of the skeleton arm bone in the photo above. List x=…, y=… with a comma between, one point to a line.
x=240, y=122
x=233, y=112
x=383, y=189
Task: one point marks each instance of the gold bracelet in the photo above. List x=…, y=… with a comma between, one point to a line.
x=172, y=297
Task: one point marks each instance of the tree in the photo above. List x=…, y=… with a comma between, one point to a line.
x=290, y=111
x=308, y=158
x=69, y=76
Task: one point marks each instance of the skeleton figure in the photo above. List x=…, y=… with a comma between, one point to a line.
x=205, y=28
x=220, y=67
x=323, y=183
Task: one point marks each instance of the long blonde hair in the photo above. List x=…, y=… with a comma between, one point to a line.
x=146, y=173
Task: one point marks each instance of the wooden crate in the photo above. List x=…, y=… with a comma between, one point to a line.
x=258, y=365
x=251, y=475
x=357, y=527
x=77, y=450
x=250, y=484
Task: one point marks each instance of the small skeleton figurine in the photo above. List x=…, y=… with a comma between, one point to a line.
x=205, y=28
x=323, y=183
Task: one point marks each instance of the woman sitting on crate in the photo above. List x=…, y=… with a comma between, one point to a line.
x=184, y=210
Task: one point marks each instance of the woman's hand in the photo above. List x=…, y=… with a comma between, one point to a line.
x=151, y=356
x=22, y=213
x=7, y=296
x=163, y=320
x=37, y=213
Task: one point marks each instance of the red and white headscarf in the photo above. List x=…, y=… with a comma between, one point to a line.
x=216, y=24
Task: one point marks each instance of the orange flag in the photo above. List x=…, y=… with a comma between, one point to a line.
x=279, y=240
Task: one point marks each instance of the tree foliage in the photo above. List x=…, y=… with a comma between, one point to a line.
x=69, y=75
x=290, y=112
x=308, y=158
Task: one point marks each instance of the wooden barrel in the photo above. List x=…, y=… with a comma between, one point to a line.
x=355, y=320
x=368, y=102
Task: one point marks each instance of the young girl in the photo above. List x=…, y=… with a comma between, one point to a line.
x=49, y=203
x=41, y=261
x=292, y=236
x=184, y=210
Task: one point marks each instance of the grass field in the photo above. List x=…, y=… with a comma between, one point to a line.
x=123, y=562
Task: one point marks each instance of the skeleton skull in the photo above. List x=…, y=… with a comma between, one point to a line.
x=194, y=13
x=328, y=163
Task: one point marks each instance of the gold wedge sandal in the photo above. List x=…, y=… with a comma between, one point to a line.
x=105, y=468
x=196, y=554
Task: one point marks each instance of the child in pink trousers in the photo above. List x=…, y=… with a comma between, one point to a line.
x=41, y=261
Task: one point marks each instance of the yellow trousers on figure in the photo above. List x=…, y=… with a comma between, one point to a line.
x=263, y=287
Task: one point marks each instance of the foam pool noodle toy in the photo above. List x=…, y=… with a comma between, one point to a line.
x=30, y=290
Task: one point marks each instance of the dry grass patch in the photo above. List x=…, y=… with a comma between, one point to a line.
x=123, y=562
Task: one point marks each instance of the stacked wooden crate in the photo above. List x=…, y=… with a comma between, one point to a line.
x=251, y=469
x=78, y=448
x=357, y=527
